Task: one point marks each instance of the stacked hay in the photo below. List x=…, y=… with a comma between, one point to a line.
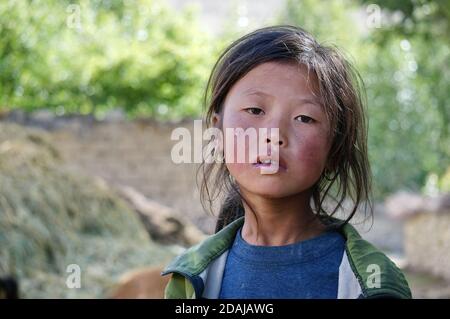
x=51, y=218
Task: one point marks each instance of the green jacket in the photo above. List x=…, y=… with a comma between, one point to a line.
x=365, y=272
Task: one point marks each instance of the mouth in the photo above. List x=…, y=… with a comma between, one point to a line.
x=264, y=161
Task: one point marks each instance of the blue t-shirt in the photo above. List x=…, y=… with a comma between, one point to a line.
x=306, y=269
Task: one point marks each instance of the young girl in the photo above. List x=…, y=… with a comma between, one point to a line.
x=276, y=235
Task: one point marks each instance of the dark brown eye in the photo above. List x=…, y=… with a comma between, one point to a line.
x=254, y=110
x=305, y=119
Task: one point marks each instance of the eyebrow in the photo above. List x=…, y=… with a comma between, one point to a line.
x=253, y=91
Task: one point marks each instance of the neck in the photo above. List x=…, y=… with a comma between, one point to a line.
x=280, y=221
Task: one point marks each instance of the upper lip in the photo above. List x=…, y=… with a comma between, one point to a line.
x=280, y=160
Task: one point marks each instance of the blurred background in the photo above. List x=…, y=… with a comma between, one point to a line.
x=91, y=204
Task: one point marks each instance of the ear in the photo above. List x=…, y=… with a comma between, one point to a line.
x=216, y=120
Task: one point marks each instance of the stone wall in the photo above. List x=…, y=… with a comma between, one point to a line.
x=427, y=243
x=426, y=230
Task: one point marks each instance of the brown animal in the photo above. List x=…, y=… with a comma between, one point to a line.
x=144, y=283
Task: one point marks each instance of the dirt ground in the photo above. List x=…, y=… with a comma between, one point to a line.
x=427, y=286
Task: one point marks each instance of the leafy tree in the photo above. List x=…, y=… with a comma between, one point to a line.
x=96, y=55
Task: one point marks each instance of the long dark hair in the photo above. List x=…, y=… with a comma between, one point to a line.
x=340, y=86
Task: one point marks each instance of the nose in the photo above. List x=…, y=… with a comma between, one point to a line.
x=268, y=140
x=277, y=129
x=275, y=139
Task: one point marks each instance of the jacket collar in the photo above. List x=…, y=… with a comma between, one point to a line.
x=377, y=275
x=197, y=258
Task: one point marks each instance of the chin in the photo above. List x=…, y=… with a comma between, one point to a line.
x=274, y=189
x=271, y=195
x=268, y=190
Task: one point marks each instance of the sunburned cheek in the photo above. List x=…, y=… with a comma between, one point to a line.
x=313, y=153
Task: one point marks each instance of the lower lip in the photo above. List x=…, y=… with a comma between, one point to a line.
x=259, y=165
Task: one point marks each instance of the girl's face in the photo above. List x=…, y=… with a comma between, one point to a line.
x=278, y=95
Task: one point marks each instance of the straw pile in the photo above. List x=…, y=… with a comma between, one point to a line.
x=51, y=218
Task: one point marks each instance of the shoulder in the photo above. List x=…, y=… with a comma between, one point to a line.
x=187, y=268
x=197, y=258
x=377, y=275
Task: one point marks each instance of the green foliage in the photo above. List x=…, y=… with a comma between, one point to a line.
x=86, y=58
x=444, y=182
x=417, y=45
x=332, y=22
x=429, y=19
